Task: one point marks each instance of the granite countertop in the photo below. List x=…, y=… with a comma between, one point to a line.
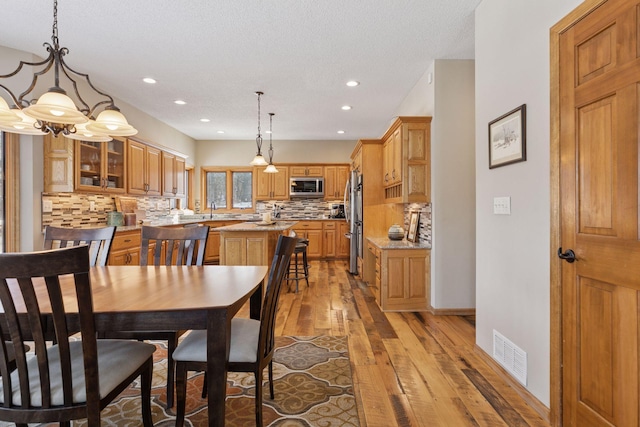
x=386, y=243
x=259, y=226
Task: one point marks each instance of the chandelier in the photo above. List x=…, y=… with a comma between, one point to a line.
x=55, y=112
x=259, y=160
x=271, y=168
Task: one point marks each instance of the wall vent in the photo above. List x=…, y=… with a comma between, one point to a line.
x=510, y=356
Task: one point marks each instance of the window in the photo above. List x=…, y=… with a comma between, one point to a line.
x=227, y=189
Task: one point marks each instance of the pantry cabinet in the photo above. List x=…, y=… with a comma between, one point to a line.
x=144, y=170
x=101, y=166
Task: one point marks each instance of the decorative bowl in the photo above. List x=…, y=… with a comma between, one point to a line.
x=396, y=232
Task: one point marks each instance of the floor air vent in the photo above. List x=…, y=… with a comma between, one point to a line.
x=510, y=356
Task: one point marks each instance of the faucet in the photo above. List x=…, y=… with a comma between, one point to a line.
x=213, y=207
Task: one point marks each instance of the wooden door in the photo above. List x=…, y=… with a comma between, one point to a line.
x=599, y=76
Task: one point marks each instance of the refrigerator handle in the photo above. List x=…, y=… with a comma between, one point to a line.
x=347, y=191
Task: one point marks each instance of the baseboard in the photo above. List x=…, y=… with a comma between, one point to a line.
x=529, y=398
x=452, y=311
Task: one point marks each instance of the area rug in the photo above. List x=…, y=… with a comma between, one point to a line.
x=312, y=381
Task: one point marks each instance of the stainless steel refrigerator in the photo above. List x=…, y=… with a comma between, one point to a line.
x=353, y=215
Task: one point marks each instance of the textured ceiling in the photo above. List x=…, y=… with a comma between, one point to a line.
x=215, y=54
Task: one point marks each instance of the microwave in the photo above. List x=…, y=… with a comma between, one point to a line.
x=306, y=187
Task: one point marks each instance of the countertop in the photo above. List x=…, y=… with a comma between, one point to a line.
x=386, y=243
x=257, y=226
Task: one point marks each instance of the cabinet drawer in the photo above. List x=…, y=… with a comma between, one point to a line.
x=329, y=225
x=126, y=240
x=308, y=225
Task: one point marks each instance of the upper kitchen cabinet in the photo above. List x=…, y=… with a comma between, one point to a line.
x=145, y=169
x=335, y=180
x=173, y=168
x=406, y=159
x=271, y=186
x=100, y=166
x=58, y=164
x=306, y=170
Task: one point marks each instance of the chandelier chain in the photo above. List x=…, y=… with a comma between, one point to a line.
x=54, y=37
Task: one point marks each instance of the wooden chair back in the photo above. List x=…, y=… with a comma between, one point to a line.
x=98, y=239
x=181, y=246
x=279, y=267
x=18, y=272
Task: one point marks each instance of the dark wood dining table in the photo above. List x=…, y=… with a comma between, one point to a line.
x=176, y=298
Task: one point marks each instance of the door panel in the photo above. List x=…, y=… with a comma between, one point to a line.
x=599, y=76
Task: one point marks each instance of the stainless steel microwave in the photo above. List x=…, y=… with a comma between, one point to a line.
x=306, y=187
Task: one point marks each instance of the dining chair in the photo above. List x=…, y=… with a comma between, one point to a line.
x=98, y=239
x=299, y=264
x=72, y=379
x=171, y=246
x=252, y=341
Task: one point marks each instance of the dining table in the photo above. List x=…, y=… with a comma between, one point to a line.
x=127, y=298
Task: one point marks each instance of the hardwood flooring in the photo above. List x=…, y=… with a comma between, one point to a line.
x=409, y=369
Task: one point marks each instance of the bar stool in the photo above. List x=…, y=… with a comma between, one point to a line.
x=298, y=266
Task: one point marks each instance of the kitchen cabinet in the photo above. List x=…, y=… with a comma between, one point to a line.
x=173, y=168
x=342, y=243
x=406, y=160
x=329, y=239
x=101, y=166
x=125, y=248
x=335, y=179
x=271, y=186
x=306, y=170
x=58, y=164
x=312, y=231
x=144, y=169
x=399, y=272
x=212, y=250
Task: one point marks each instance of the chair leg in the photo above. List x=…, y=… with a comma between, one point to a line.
x=171, y=369
x=204, y=386
x=145, y=395
x=258, y=398
x=271, y=380
x=181, y=393
x=297, y=276
x=305, y=267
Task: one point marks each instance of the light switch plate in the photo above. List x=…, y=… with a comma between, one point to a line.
x=47, y=206
x=502, y=205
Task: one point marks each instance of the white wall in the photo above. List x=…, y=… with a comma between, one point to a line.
x=512, y=262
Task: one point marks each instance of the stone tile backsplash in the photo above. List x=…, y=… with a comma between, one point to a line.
x=75, y=210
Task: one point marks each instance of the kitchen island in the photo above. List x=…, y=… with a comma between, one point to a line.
x=251, y=243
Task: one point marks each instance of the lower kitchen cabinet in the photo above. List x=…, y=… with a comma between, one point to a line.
x=212, y=251
x=342, y=243
x=125, y=248
x=329, y=239
x=399, y=273
x=312, y=231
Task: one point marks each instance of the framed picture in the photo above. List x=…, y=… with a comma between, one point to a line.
x=508, y=138
x=414, y=219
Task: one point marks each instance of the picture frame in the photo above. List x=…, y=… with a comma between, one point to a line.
x=508, y=138
x=414, y=222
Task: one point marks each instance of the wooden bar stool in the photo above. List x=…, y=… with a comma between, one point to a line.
x=298, y=266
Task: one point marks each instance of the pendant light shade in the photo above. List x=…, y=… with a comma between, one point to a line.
x=6, y=115
x=56, y=106
x=271, y=168
x=22, y=124
x=112, y=122
x=84, y=134
x=259, y=160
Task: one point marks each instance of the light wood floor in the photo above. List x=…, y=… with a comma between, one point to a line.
x=409, y=369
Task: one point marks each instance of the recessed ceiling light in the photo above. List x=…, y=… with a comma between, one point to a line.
x=220, y=131
x=267, y=131
x=346, y=107
x=179, y=102
x=149, y=80
x=340, y=131
x=205, y=120
x=352, y=83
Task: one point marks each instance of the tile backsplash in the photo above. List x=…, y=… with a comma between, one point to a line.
x=75, y=210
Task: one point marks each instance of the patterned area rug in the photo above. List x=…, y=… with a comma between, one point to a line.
x=312, y=381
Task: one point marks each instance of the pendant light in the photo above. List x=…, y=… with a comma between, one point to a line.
x=259, y=160
x=55, y=112
x=271, y=167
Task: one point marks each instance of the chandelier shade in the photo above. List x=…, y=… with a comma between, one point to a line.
x=84, y=134
x=56, y=112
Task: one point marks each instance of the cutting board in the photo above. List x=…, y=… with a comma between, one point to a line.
x=126, y=204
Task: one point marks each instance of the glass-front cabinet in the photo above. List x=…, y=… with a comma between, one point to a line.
x=100, y=166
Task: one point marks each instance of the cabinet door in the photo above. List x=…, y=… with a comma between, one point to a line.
x=58, y=164
x=330, y=184
x=298, y=170
x=315, y=170
x=280, y=184
x=396, y=164
x=342, y=246
x=118, y=258
x=342, y=176
x=137, y=176
x=212, y=250
x=114, y=166
x=153, y=171
x=387, y=161
x=262, y=183
x=329, y=243
x=168, y=174
x=314, y=250
x=180, y=167
x=89, y=166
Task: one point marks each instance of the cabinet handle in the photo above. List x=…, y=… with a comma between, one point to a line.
x=393, y=174
x=386, y=177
